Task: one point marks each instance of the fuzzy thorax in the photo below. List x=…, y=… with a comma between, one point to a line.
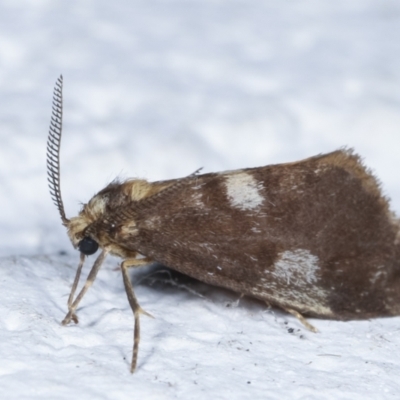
x=115, y=195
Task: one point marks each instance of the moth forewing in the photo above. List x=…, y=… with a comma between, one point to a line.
x=314, y=237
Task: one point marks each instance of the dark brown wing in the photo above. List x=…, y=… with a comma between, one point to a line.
x=315, y=235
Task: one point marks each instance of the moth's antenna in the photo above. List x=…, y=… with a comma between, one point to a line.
x=53, y=149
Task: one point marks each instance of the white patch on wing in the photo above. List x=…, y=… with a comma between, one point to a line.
x=297, y=267
x=243, y=191
x=293, y=281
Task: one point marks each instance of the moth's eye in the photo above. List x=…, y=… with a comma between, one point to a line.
x=88, y=246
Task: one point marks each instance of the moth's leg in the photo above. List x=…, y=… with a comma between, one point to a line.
x=89, y=281
x=302, y=319
x=74, y=286
x=136, y=309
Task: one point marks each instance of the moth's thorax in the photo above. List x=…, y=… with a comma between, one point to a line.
x=117, y=195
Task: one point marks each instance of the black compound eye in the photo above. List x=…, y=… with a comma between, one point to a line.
x=88, y=246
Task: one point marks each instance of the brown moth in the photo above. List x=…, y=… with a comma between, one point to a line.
x=313, y=237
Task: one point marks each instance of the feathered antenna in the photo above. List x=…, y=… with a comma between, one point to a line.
x=53, y=149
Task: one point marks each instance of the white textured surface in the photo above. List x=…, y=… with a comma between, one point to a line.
x=157, y=89
x=243, y=190
x=297, y=267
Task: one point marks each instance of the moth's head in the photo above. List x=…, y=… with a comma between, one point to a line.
x=79, y=232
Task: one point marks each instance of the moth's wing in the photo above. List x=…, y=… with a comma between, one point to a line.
x=307, y=235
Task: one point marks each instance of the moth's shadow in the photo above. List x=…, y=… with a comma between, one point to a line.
x=168, y=281
x=162, y=279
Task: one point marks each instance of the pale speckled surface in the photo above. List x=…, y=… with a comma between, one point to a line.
x=158, y=89
x=243, y=191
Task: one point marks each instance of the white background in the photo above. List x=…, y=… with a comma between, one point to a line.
x=157, y=89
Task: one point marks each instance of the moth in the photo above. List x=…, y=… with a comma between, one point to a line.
x=314, y=237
